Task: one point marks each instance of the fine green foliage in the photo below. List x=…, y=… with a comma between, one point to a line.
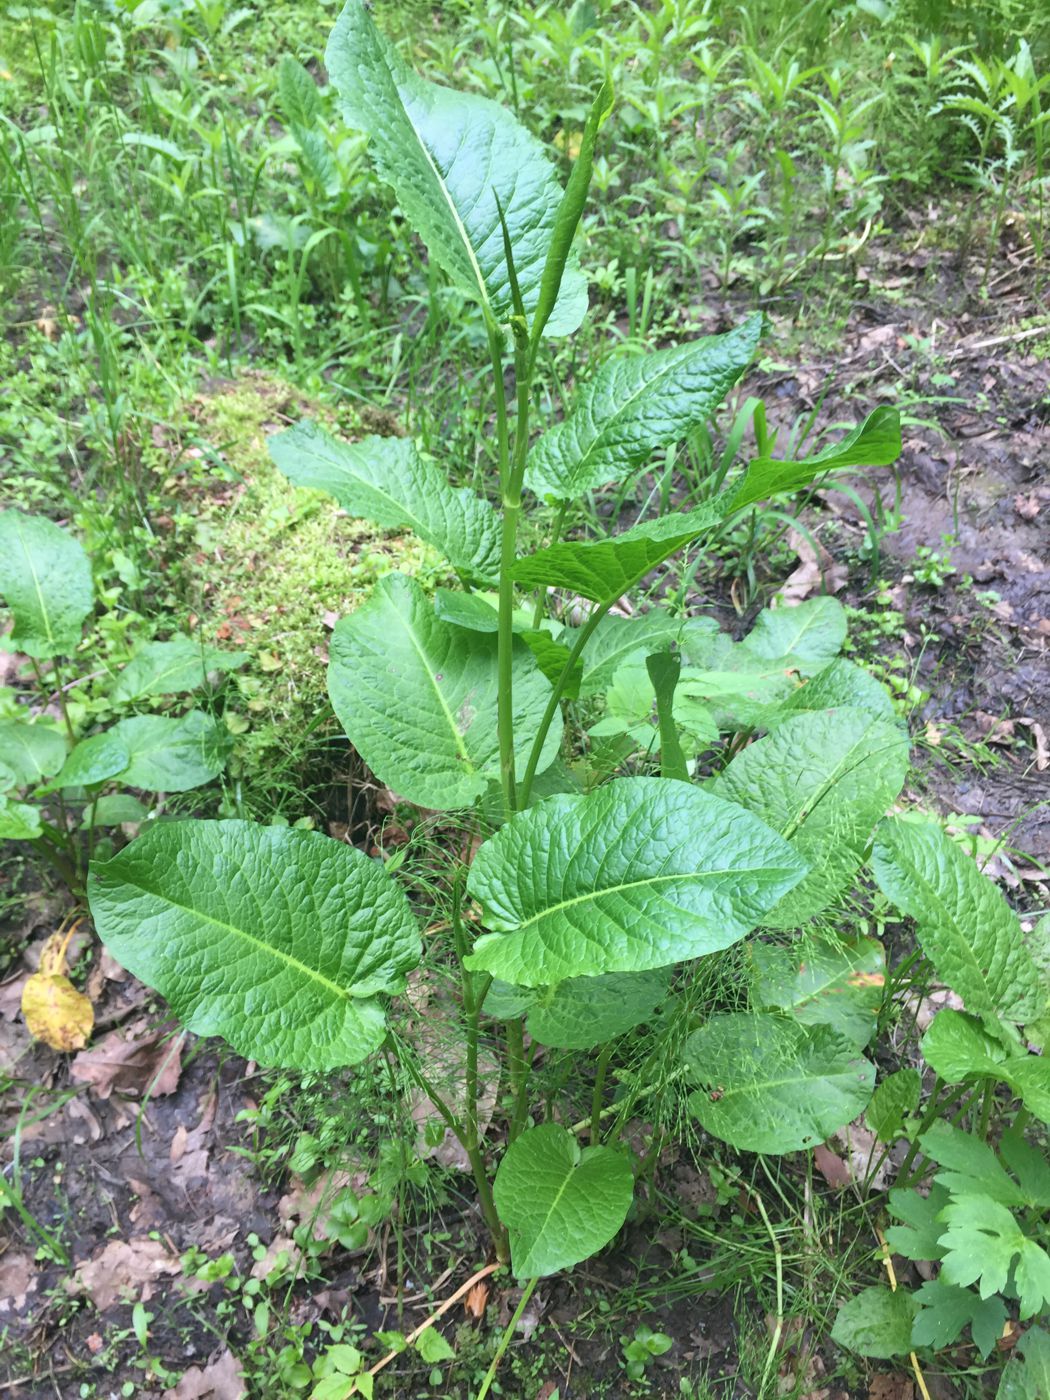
x=768, y=1084
x=822, y=780
x=386, y=481
x=634, y=404
x=281, y=939
x=965, y=927
x=560, y=1203
x=455, y=161
x=642, y=873
x=45, y=580
x=877, y=1322
x=444, y=750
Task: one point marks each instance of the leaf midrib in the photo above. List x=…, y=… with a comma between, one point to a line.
x=554, y=1206
x=45, y=615
x=334, y=988
x=431, y=676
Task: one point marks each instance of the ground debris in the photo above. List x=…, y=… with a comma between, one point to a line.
x=124, y=1271
x=131, y=1062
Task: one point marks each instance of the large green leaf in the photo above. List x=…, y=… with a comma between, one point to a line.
x=963, y=924
x=640, y=874
x=603, y=570
x=582, y=1011
x=91, y=761
x=455, y=160
x=1027, y=1374
x=811, y=633
x=172, y=668
x=386, y=481
x=874, y=443
x=823, y=780
x=957, y=1047
x=276, y=939
x=840, y=683
x=617, y=640
x=768, y=1084
x=560, y=1203
x=45, y=579
x=634, y=404
x=32, y=752
x=19, y=821
x=824, y=982
x=172, y=755
x=417, y=697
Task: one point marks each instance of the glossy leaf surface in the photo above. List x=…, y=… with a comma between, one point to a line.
x=31, y=752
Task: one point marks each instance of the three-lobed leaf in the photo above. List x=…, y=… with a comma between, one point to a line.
x=45, y=580
x=455, y=160
x=387, y=481
x=560, y=1203
x=642, y=873
x=277, y=939
x=417, y=697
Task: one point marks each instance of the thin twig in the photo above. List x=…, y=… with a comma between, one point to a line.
x=439, y=1313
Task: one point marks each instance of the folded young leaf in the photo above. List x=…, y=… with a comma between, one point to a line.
x=963, y=923
x=45, y=579
x=768, y=1084
x=417, y=697
x=560, y=1203
x=874, y=443
x=172, y=755
x=386, y=481
x=172, y=668
x=454, y=160
x=276, y=939
x=642, y=873
x=635, y=404
x=822, y=780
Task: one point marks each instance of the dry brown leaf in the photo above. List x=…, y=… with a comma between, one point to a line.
x=816, y=573
x=476, y=1300
x=17, y=1281
x=1027, y=507
x=131, y=1063
x=11, y=996
x=221, y=1380
x=125, y=1269
x=891, y=1387
x=832, y=1168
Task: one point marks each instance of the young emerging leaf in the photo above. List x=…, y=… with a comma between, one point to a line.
x=276, y=939
x=450, y=156
x=560, y=1203
x=963, y=924
x=45, y=579
x=386, y=481
x=640, y=874
x=895, y=1099
x=417, y=697
x=635, y=404
x=822, y=780
x=768, y=1084
x=874, y=443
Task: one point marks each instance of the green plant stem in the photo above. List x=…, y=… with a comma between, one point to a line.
x=508, y=552
x=778, y=1258
x=586, y=632
x=516, y=1064
x=599, y=1092
x=987, y=1104
x=556, y=529
x=505, y=1340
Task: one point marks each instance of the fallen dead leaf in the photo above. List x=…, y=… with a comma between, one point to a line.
x=220, y=1380
x=131, y=1063
x=891, y=1387
x=816, y=572
x=476, y=1301
x=832, y=1168
x=55, y=1012
x=1027, y=507
x=125, y=1270
x=17, y=1281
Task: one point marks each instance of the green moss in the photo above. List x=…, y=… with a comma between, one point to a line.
x=277, y=566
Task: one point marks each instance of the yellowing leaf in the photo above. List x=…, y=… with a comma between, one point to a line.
x=56, y=1012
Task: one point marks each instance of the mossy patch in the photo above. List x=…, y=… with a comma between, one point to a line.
x=275, y=568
